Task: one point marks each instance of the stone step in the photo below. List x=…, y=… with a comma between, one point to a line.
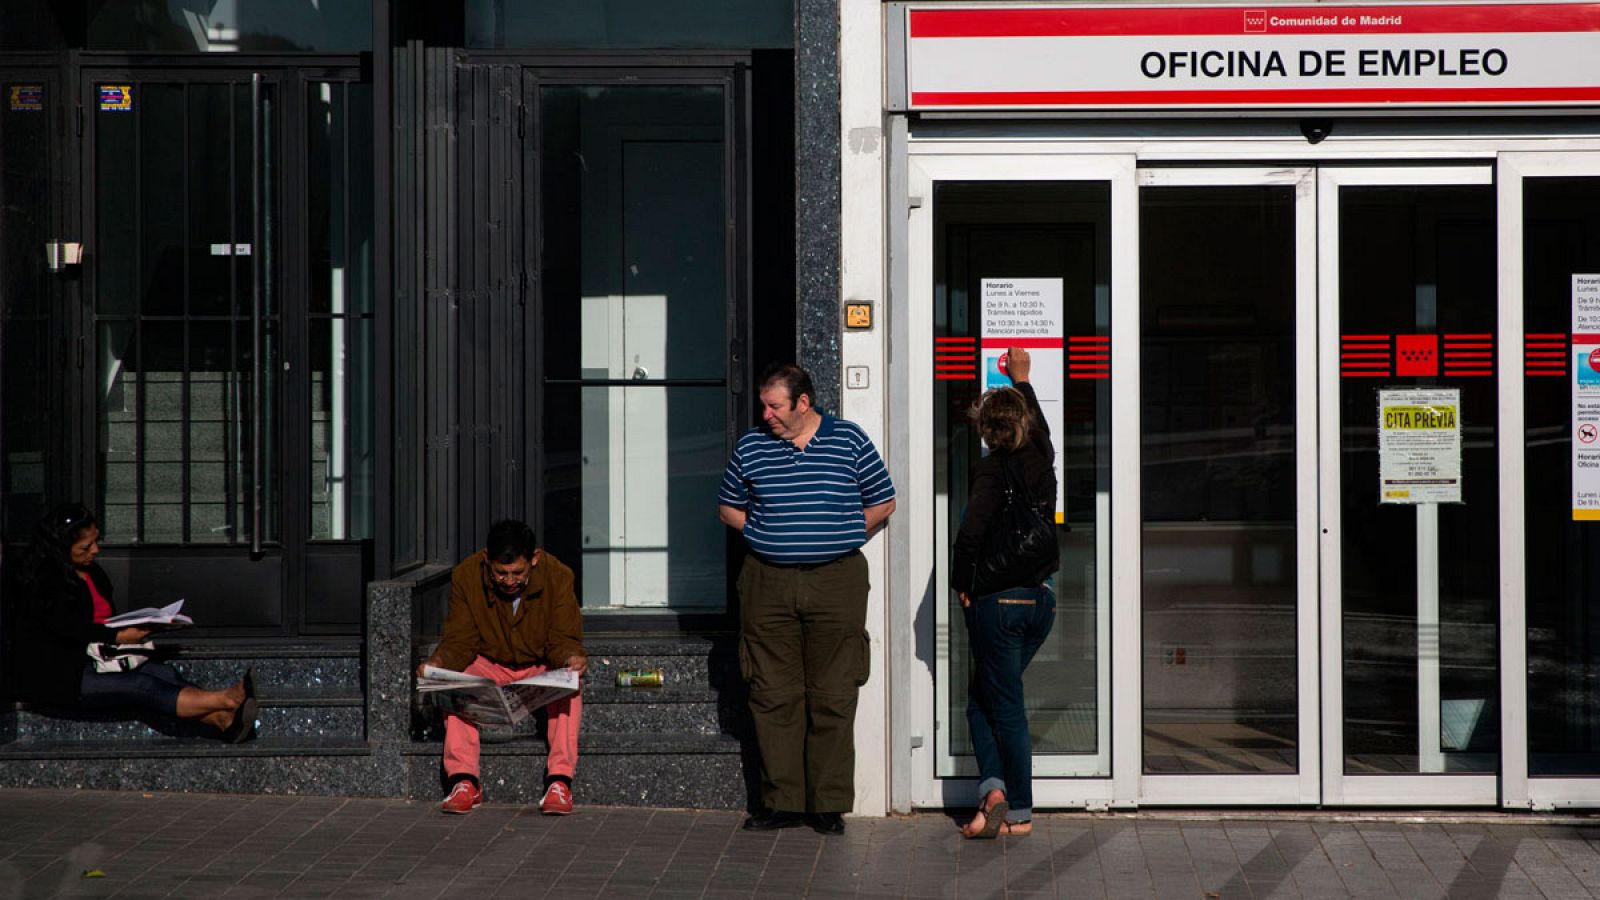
x=326, y=767
x=658, y=770
x=333, y=666
x=284, y=713
x=665, y=769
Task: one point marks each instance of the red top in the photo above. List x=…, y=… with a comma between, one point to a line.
x=102, y=606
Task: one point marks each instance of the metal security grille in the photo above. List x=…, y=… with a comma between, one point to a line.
x=187, y=332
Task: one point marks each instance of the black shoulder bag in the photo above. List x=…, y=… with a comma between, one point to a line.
x=1020, y=546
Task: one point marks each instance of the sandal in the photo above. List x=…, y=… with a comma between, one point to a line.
x=994, y=818
x=1016, y=829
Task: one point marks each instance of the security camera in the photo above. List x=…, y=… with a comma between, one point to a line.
x=1316, y=129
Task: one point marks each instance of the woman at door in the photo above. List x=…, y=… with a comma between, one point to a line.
x=63, y=601
x=1006, y=622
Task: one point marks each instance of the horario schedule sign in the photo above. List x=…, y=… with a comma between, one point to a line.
x=1260, y=57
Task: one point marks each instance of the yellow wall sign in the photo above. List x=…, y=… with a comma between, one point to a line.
x=1419, y=445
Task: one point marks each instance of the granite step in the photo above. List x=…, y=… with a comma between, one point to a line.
x=665, y=769
x=325, y=766
x=321, y=666
x=284, y=712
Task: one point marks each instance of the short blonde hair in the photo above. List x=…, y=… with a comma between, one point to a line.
x=1003, y=418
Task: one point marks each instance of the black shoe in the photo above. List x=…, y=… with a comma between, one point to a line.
x=243, y=726
x=774, y=819
x=827, y=823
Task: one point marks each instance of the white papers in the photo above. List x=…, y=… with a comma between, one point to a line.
x=1028, y=313
x=481, y=701
x=168, y=615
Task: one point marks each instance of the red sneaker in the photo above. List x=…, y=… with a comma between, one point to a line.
x=557, y=800
x=463, y=798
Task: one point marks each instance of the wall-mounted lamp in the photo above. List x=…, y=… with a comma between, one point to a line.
x=60, y=254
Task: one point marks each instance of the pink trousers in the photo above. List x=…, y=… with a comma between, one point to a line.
x=461, y=736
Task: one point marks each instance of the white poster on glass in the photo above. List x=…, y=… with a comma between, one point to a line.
x=1419, y=445
x=1586, y=397
x=1027, y=313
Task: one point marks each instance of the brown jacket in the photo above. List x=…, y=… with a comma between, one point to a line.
x=546, y=629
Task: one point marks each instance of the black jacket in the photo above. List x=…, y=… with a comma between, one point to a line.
x=52, y=626
x=987, y=498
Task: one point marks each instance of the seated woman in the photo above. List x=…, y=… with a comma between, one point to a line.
x=63, y=600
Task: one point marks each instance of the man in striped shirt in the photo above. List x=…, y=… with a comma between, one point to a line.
x=805, y=490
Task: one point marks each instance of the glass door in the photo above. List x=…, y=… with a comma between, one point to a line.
x=1411, y=521
x=1227, y=381
x=637, y=221
x=31, y=113
x=186, y=333
x=227, y=346
x=1280, y=457
x=1021, y=255
x=1550, y=282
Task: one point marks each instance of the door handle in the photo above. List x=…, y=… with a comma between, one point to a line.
x=260, y=287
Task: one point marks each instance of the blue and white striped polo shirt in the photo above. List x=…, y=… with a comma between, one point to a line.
x=805, y=506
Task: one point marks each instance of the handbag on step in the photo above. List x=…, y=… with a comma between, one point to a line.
x=120, y=657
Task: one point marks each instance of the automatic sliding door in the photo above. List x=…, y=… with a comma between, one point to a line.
x=1551, y=252
x=1227, y=476
x=1411, y=485
x=998, y=263
x=1013, y=257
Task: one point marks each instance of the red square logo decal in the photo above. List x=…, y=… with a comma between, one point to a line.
x=1416, y=355
x=1255, y=21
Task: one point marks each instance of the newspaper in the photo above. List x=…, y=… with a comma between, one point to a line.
x=480, y=701
x=150, y=617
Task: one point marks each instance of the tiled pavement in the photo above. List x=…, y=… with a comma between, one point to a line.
x=196, y=845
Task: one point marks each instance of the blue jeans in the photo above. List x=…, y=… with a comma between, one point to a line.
x=153, y=687
x=1005, y=630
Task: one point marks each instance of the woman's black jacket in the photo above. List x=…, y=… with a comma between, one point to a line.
x=1036, y=462
x=53, y=626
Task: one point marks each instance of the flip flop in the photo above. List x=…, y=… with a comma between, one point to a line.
x=993, y=819
x=1009, y=829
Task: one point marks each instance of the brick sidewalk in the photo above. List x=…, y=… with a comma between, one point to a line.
x=199, y=845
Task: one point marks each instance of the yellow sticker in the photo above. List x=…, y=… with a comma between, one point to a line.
x=116, y=98
x=1404, y=418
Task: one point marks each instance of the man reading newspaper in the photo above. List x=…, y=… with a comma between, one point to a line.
x=512, y=614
